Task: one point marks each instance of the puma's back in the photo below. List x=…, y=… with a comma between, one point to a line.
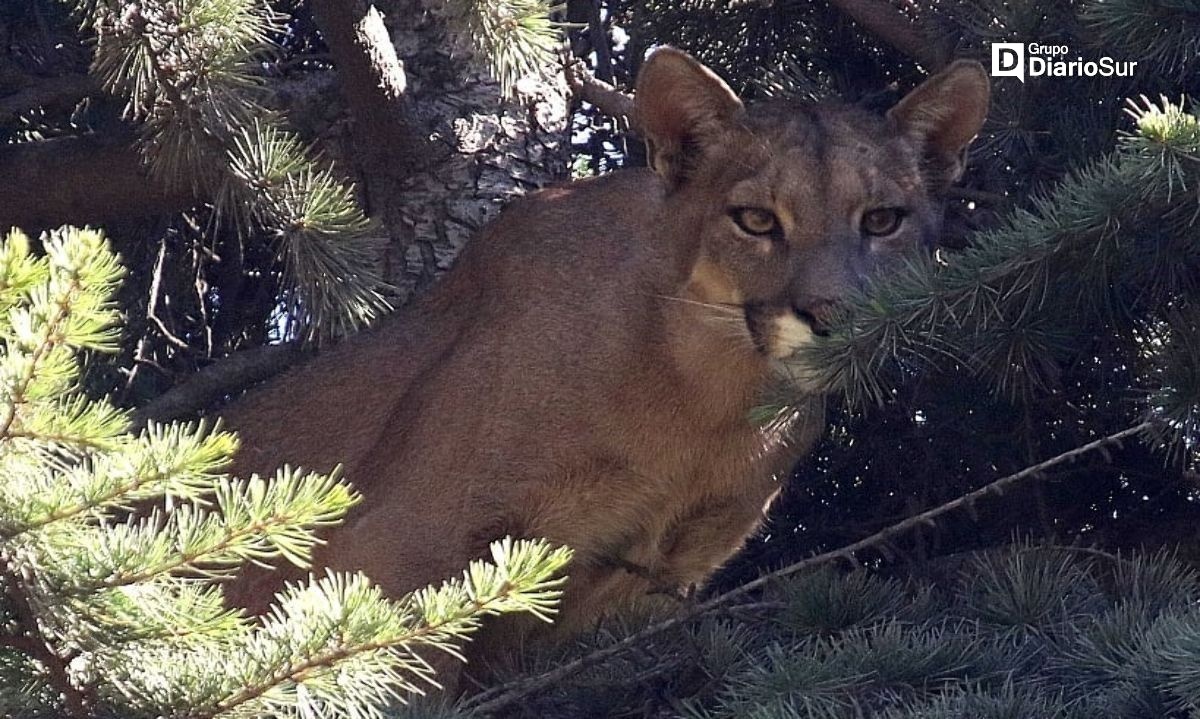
x=509, y=377
x=514, y=301
x=587, y=371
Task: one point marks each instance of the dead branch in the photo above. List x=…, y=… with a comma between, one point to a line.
x=503, y=696
x=607, y=98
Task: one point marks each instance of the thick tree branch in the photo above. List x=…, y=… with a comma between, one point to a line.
x=889, y=24
x=599, y=34
x=224, y=377
x=373, y=81
x=79, y=180
x=504, y=696
x=49, y=92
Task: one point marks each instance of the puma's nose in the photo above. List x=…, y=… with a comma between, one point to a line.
x=817, y=313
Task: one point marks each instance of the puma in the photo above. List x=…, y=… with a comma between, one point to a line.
x=587, y=372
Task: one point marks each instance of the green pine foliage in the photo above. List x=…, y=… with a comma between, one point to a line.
x=190, y=73
x=112, y=544
x=516, y=38
x=187, y=73
x=1072, y=313
x=1025, y=632
x=1160, y=33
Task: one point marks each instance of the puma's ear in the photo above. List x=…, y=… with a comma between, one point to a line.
x=681, y=107
x=943, y=115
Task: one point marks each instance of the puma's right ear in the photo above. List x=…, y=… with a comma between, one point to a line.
x=681, y=106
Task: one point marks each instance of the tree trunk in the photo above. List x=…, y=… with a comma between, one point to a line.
x=435, y=148
x=481, y=151
x=406, y=111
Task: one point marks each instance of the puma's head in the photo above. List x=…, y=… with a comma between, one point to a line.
x=795, y=204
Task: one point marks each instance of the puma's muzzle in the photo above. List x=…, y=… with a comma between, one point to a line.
x=780, y=331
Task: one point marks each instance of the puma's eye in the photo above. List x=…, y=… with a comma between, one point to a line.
x=755, y=220
x=882, y=221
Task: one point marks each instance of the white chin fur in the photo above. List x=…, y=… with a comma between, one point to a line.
x=791, y=333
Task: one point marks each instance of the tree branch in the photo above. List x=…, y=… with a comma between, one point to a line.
x=607, y=98
x=600, y=45
x=79, y=180
x=892, y=26
x=222, y=378
x=503, y=696
x=373, y=81
x=45, y=92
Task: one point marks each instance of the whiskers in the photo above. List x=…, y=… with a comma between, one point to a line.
x=722, y=306
x=728, y=316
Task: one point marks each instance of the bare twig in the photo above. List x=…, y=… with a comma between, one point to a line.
x=220, y=379
x=152, y=307
x=1108, y=557
x=504, y=696
x=607, y=98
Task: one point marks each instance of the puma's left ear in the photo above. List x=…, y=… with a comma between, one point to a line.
x=681, y=107
x=943, y=115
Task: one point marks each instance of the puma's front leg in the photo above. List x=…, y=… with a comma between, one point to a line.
x=704, y=539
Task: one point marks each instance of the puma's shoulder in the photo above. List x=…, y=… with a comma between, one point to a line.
x=549, y=261
x=582, y=252
x=625, y=196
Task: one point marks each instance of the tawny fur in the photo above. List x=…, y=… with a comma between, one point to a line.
x=587, y=373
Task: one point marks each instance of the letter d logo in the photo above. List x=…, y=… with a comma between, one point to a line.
x=1008, y=60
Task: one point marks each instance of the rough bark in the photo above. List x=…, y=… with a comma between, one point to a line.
x=482, y=149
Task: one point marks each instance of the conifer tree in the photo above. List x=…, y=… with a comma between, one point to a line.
x=1061, y=308
x=112, y=544
x=1027, y=631
x=187, y=74
x=281, y=172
